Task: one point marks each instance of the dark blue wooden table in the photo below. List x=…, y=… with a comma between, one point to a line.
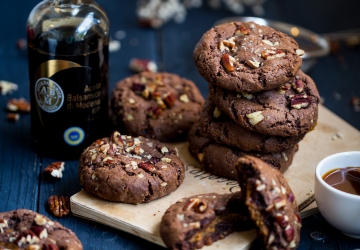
x=22, y=180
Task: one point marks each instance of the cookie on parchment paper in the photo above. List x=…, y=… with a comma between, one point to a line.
x=200, y=220
x=271, y=203
x=130, y=169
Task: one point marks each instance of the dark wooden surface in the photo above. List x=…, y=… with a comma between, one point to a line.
x=22, y=182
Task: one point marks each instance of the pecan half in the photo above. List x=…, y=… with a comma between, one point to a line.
x=147, y=166
x=55, y=169
x=18, y=105
x=272, y=54
x=299, y=101
x=228, y=62
x=59, y=206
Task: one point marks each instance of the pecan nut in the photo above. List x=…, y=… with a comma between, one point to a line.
x=59, y=206
x=55, y=169
x=18, y=105
x=228, y=62
x=138, y=65
x=299, y=101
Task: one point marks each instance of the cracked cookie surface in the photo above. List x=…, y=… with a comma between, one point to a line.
x=200, y=220
x=26, y=229
x=220, y=128
x=244, y=56
x=291, y=110
x=271, y=203
x=130, y=169
x=160, y=106
x=219, y=159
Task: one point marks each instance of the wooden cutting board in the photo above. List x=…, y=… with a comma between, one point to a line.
x=332, y=135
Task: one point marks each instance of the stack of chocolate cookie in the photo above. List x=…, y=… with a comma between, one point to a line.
x=260, y=103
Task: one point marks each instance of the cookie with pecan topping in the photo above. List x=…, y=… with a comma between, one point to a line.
x=217, y=126
x=245, y=56
x=271, y=203
x=291, y=110
x=200, y=220
x=219, y=159
x=130, y=169
x=26, y=229
x=160, y=106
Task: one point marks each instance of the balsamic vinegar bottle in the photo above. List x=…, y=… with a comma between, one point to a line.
x=68, y=69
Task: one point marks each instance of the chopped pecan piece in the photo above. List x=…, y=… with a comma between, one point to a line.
x=169, y=99
x=153, y=112
x=300, y=52
x=228, y=62
x=285, y=87
x=59, y=206
x=138, y=88
x=242, y=31
x=298, y=85
x=55, y=169
x=253, y=63
x=255, y=117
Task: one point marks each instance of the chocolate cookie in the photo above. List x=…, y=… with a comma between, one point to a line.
x=291, y=110
x=130, y=169
x=219, y=159
x=219, y=127
x=26, y=229
x=271, y=203
x=200, y=220
x=160, y=106
x=245, y=56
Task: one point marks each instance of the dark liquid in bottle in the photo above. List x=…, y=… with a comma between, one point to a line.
x=68, y=90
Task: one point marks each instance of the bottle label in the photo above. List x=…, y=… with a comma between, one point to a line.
x=49, y=95
x=74, y=136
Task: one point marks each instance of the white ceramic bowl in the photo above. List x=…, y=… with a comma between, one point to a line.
x=340, y=209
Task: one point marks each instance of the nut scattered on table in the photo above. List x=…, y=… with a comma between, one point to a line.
x=7, y=87
x=18, y=105
x=138, y=65
x=59, y=206
x=55, y=169
x=13, y=117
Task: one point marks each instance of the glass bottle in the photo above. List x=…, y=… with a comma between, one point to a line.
x=68, y=72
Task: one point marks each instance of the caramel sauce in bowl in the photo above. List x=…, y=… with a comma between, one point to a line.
x=344, y=179
x=337, y=191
